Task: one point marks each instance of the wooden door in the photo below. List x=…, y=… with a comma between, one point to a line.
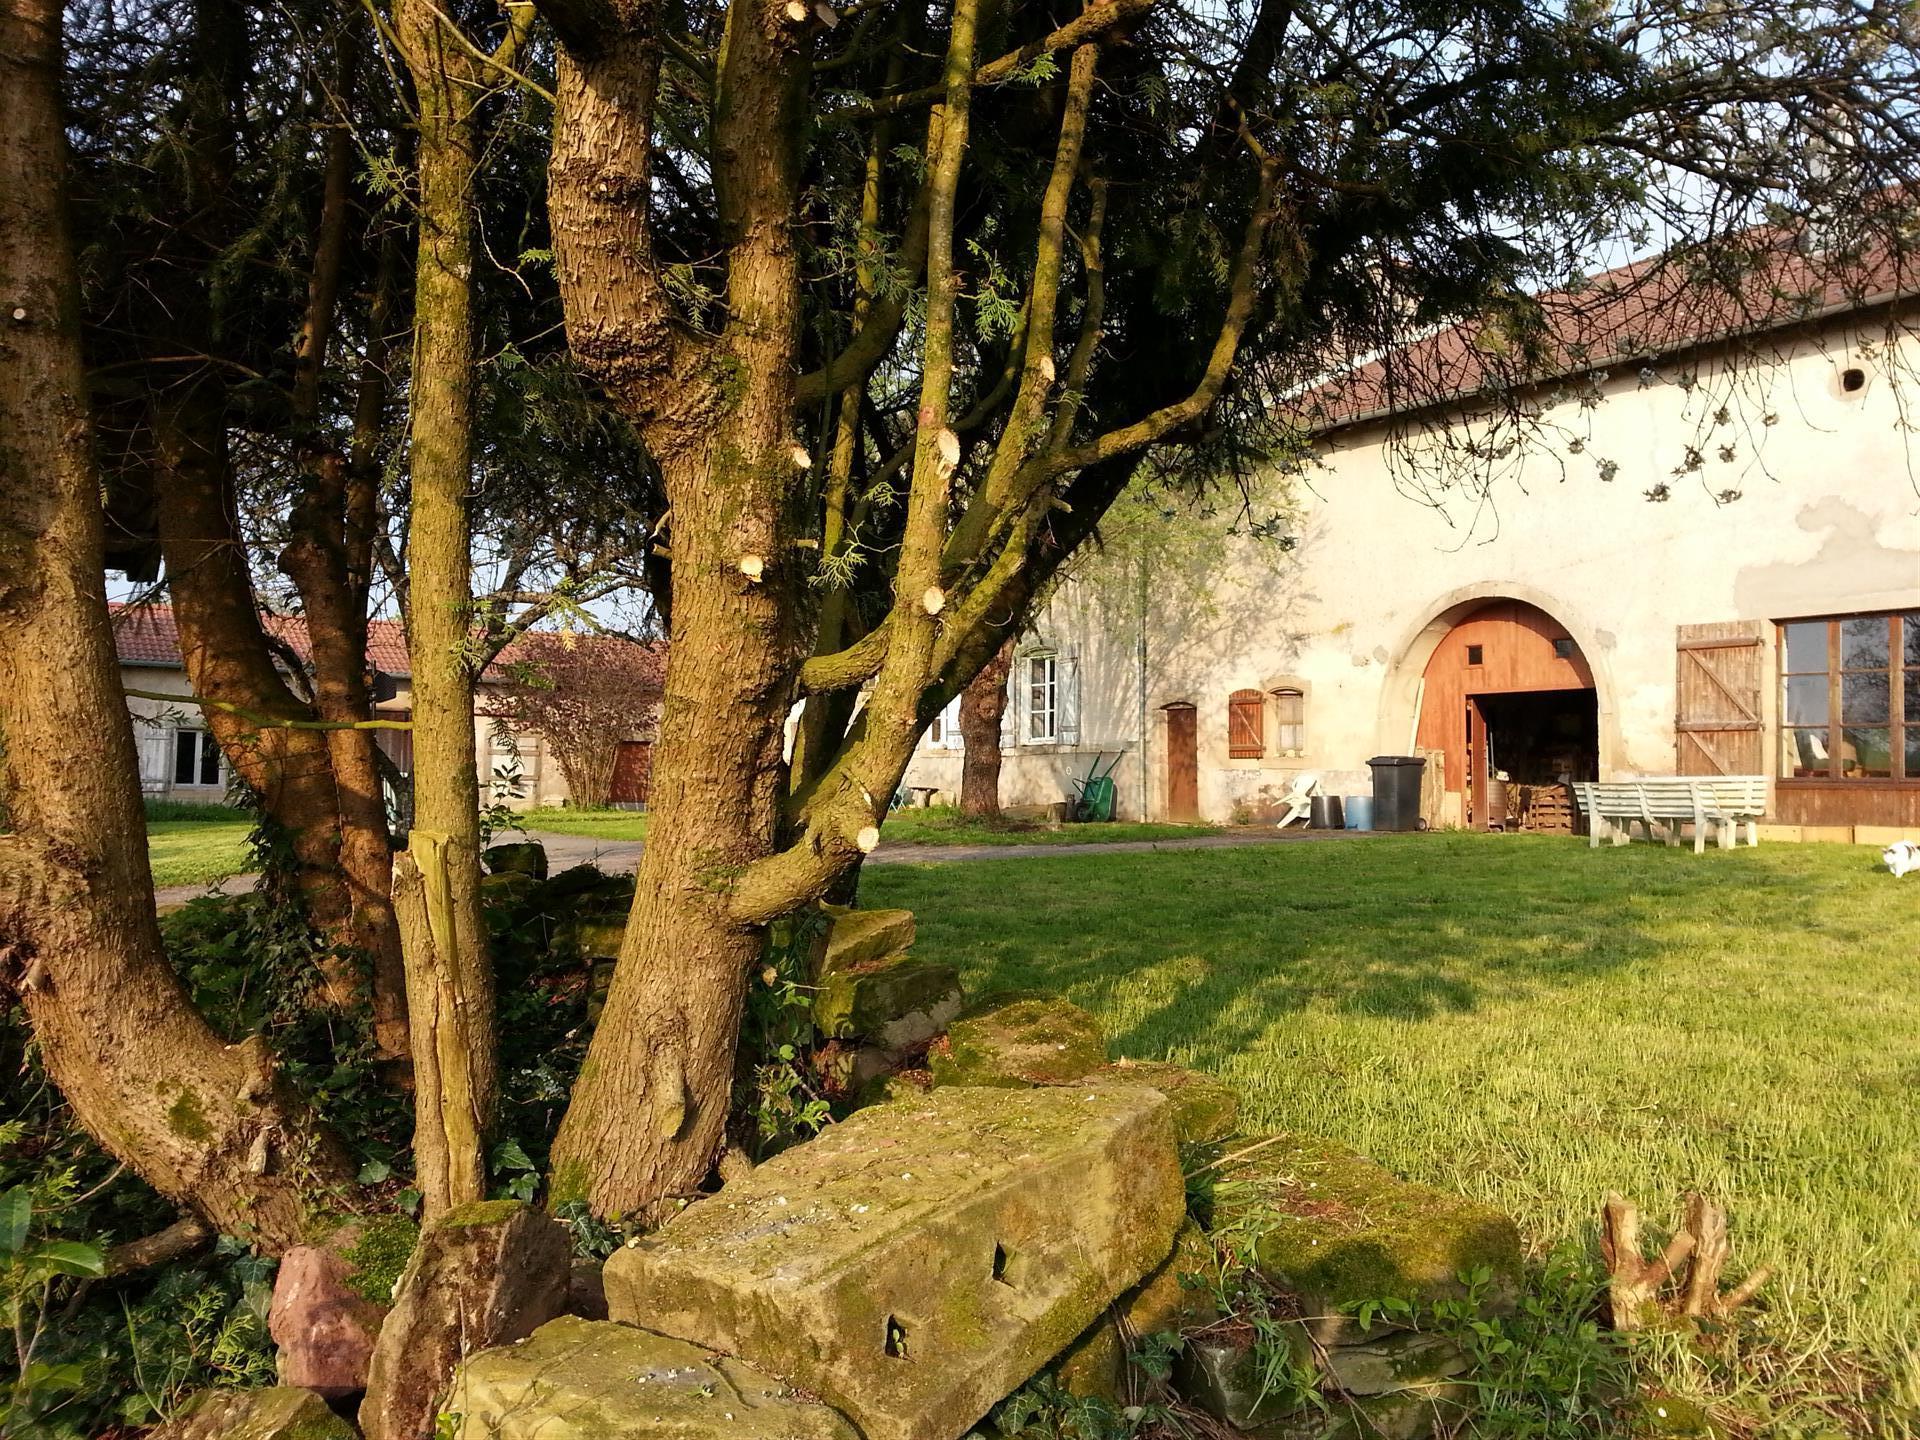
x=632, y=768
x=1716, y=721
x=1476, y=766
x=1183, y=763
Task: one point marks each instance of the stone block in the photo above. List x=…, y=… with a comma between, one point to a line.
x=519, y=857
x=1411, y=1414
x=1336, y=1230
x=324, y=1327
x=597, y=937
x=281, y=1412
x=1164, y=1301
x=1204, y=1109
x=506, y=888
x=860, y=936
x=608, y=890
x=586, y=1291
x=482, y=1275
x=1094, y=1365
x=1393, y=1362
x=919, y=1261
x=895, y=1001
x=1226, y=1377
x=1015, y=1040
x=580, y=1379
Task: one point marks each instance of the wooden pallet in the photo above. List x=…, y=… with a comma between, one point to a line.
x=1547, y=809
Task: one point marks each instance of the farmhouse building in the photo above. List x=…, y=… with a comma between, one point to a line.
x=1687, y=544
x=179, y=759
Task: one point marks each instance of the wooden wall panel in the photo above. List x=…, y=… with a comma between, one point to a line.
x=1717, y=724
x=1849, y=802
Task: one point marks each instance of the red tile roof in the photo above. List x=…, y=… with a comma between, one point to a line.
x=146, y=634
x=1638, y=312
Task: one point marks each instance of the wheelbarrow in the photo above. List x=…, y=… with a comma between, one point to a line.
x=1093, y=795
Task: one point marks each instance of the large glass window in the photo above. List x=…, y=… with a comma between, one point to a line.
x=196, y=758
x=1850, y=698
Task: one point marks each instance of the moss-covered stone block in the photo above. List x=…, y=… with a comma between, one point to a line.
x=895, y=1001
x=597, y=937
x=1228, y=1377
x=577, y=1379
x=280, y=1412
x=859, y=937
x=1204, y=1109
x=1337, y=1230
x=576, y=881
x=1093, y=1366
x=1016, y=1040
x=1178, y=1295
x=520, y=857
x=1393, y=1362
x=919, y=1261
x=509, y=887
x=1412, y=1414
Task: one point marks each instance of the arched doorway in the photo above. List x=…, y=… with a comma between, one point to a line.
x=1509, y=698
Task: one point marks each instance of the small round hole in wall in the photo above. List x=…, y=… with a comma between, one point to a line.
x=1852, y=380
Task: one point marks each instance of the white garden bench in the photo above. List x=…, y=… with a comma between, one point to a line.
x=1718, y=803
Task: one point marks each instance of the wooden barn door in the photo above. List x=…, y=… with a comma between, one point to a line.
x=1183, y=763
x=1717, y=726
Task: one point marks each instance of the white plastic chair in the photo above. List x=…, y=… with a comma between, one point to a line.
x=1298, y=801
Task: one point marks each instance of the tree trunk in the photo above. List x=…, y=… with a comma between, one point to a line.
x=982, y=704
x=648, y=1112
x=441, y=639
x=204, y=1122
x=321, y=788
x=226, y=656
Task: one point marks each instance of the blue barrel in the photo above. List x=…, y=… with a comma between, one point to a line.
x=1357, y=810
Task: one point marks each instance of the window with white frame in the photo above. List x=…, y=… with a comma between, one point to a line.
x=1042, y=700
x=1290, y=719
x=944, y=733
x=196, y=758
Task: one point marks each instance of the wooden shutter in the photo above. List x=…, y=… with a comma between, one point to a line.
x=1246, y=725
x=1717, y=728
x=1066, y=697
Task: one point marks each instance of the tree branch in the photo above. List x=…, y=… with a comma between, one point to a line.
x=269, y=722
x=1093, y=24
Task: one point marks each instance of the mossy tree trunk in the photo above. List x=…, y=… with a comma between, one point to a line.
x=647, y=1113
x=204, y=1122
x=449, y=973
x=734, y=841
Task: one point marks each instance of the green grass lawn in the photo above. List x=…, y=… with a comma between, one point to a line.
x=1525, y=1020
x=938, y=825
x=944, y=825
x=198, y=852
x=595, y=824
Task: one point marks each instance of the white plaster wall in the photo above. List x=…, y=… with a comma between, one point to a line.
x=1827, y=520
x=154, y=724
